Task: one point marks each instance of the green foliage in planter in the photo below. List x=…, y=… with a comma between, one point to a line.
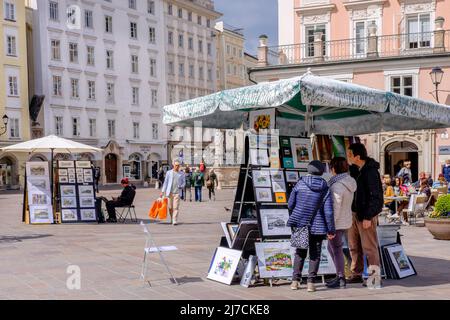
x=442, y=207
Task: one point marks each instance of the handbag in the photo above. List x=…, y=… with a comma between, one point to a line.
x=300, y=236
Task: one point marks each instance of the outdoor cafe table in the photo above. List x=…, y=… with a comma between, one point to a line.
x=397, y=199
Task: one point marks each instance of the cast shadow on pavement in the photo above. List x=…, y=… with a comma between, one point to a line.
x=9, y=239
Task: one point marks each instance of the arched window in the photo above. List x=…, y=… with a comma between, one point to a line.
x=135, y=166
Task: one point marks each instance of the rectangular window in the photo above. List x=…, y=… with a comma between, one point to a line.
x=200, y=46
x=90, y=55
x=59, y=130
x=74, y=88
x=180, y=13
x=361, y=36
x=88, y=19
x=11, y=46
x=209, y=74
x=111, y=128
x=191, y=43
x=109, y=59
x=91, y=90
x=191, y=71
x=13, y=87
x=199, y=20
x=310, y=30
x=170, y=9
x=150, y=6
x=402, y=85
x=200, y=73
x=155, y=133
x=92, y=127
x=108, y=24
x=171, y=96
x=57, y=86
x=10, y=11
x=56, y=49
x=135, y=130
x=171, y=68
x=154, y=98
x=73, y=52
x=180, y=40
x=110, y=92
x=153, y=67
x=134, y=64
x=75, y=127
x=181, y=70
x=208, y=23
x=14, y=129
x=152, y=35
x=170, y=37
x=132, y=4
x=189, y=16
x=209, y=48
x=419, y=31
x=135, y=95
x=133, y=30
x=54, y=14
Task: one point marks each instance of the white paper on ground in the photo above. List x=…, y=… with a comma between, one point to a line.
x=164, y=248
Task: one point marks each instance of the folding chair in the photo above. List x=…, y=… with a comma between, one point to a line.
x=128, y=211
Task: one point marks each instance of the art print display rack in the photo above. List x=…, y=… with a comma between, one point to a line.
x=75, y=191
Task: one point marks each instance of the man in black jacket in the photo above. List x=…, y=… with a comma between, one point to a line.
x=125, y=199
x=367, y=204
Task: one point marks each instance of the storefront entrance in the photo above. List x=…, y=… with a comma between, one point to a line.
x=111, y=168
x=396, y=153
x=6, y=167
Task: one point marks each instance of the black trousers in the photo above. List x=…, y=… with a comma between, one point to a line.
x=315, y=250
x=111, y=208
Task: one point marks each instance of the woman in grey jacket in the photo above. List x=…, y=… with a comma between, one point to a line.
x=342, y=188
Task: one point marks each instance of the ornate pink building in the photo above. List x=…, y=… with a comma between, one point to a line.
x=388, y=45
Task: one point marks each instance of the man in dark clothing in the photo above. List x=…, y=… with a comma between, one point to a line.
x=97, y=174
x=125, y=199
x=367, y=204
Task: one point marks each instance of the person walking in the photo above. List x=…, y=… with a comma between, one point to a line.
x=312, y=206
x=367, y=204
x=342, y=187
x=97, y=174
x=211, y=182
x=202, y=167
x=188, y=183
x=160, y=176
x=405, y=172
x=173, y=184
x=198, y=181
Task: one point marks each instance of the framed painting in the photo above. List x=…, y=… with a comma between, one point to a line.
x=301, y=152
x=62, y=172
x=37, y=169
x=72, y=180
x=88, y=179
x=253, y=141
x=273, y=222
x=278, y=186
x=286, y=152
x=288, y=163
x=41, y=214
x=291, y=176
x=79, y=170
x=87, y=172
x=65, y=164
x=71, y=171
x=80, y=178
x=263, y=194
x=224, y=264
x=280, y=197
x=69, y=215
x=274, y=142
x=277, y=175
x=326, y=265
x=38, y=183
x=259, y=157
x=87, y=215
x=83, y=164
x=261, y=178
x=275, y=259
x=86, y=191
x=285, y=142
x=262, y=120
x=400, y=261
x=68, y=202
x=229, y=229
x=87, y=202
x=67, y=191
x=39, y=198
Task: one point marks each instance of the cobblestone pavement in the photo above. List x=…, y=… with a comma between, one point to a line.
x=34, y=259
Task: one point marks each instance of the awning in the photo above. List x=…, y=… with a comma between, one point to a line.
x=315, y=104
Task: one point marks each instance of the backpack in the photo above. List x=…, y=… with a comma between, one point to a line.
x=198, y=178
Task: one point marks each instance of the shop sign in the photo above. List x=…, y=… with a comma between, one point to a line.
x=444, y=150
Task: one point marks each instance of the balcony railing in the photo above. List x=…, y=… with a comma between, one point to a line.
x=411, y=44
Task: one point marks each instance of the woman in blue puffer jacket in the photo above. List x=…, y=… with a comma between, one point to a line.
x=304, y=199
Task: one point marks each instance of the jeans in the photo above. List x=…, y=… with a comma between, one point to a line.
x=198, y=193
x=185, y=193
x=337, y=253
x=315, y=250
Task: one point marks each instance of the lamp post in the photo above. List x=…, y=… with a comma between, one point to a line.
x=436, y=75
x=5, y=125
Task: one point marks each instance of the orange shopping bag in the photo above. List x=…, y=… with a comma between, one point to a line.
x=153, y=213
x=162, y=209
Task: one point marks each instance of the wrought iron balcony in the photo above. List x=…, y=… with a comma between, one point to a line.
x=371, y=47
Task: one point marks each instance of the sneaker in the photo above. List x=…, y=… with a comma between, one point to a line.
x=394, y=216
x=337, y=283
x=295, y=285
x=332, y=280
x=174, y=223
x=311, y=287
x=355, y=279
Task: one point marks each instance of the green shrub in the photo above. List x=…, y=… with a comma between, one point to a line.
x=442, y=207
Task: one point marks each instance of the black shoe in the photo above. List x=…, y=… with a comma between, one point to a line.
x=112, y=220
x=332, y=280
x=337, y=283
x=355, y=279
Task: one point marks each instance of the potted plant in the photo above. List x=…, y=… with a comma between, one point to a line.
x=438, y=222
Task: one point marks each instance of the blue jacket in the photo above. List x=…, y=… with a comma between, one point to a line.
x=167, y=186
x=304, y=199
x=446, y=172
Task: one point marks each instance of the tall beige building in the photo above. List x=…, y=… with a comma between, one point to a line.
x=13, y=90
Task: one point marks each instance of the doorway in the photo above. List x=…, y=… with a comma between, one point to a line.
x=111, y=168
x=396, y=153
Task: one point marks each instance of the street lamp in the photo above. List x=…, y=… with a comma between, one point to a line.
x=5, y=124
x=436, y=75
